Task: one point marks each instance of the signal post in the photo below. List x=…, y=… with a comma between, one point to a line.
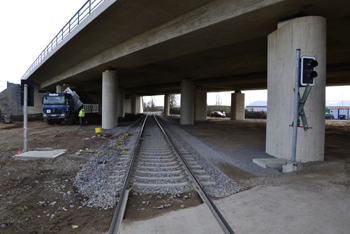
x=309, y=35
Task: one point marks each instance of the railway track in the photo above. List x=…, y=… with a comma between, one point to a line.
x=161, y=165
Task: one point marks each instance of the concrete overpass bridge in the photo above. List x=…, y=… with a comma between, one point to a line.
x=147, y=47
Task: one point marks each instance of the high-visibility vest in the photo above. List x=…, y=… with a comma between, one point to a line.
x=81, y=113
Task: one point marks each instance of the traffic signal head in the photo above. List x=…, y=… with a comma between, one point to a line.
x=308, y=71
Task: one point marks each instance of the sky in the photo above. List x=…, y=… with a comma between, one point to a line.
x=27, y=27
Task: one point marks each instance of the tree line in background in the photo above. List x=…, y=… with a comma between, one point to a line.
x=175, y=109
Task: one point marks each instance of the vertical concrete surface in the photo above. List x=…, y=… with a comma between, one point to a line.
x=200, y=105
x=237, y=105
x=166, y=105
x=133, y=103
x=187, y=102
x=109, y=99
x=121, y=100
x=140, y=105
x=38, y=106
x=60, y=88
x=309, y=35
x=127, y=105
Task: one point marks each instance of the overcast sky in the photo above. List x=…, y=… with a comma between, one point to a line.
x=27, y=27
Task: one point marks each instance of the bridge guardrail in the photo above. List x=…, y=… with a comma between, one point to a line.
x=78, y=17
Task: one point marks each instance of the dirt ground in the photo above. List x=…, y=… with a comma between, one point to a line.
x=38, y=196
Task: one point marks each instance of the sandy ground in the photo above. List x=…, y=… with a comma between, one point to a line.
x=315, y=200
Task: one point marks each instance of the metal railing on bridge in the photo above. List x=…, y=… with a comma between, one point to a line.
x=81, y=14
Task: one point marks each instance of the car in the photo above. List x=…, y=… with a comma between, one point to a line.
x=329, y=116
x=217, y=114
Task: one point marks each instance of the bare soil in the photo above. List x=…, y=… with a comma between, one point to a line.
x=28, y=187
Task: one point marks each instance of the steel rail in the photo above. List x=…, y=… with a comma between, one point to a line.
x=218, y=216
x=119, y=212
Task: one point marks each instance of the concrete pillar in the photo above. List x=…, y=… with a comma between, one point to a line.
x=121, y=100
x=166, y=105
x=237, y=105
x=309, y=35
x=109, y=99
x=200, y=105
x=127, y=105
x=187, y=102
x=60, y=88
x=140, y=105
x=133, y=104
x=38, y=106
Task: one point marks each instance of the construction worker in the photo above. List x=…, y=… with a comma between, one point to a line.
x=81, y=116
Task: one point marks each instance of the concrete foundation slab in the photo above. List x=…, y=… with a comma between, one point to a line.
x=270, y=162
x=34, y=155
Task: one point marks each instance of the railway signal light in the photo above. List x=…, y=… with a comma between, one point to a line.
x=308, y=71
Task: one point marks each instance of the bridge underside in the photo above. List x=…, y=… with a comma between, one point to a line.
x=220, y=45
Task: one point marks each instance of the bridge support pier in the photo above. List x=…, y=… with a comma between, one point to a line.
x=309, y=35
x=38, y=107
x=133, y=103
x=109, y=99
x=200, y=105
x=187, y=102
x=59, y=88
x=237, y=105
x=166, y=105
x=121, y=100
x=136, y=104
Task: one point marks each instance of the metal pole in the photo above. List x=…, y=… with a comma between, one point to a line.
x=25, y=103
x=296, y=106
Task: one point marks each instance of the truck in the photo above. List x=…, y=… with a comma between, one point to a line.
x=58, y=107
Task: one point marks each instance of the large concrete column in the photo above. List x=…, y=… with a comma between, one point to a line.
x=121, y=100
x=237, y=105
x=140, y=105
x=200, y=105
x=127, y=105
x=187, y=102
x=134, y=103
x=60, y=88
x=109, y=99
x=166, y=105
x=38, y=106
x=309, y=35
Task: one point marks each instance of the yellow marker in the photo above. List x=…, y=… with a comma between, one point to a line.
x=75, y=226
x=97, y=130
x=86, y=151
